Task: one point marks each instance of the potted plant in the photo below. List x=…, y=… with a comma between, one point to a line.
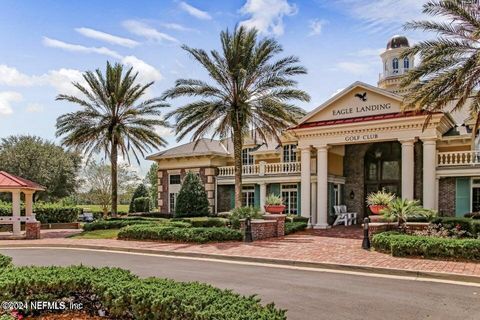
x=377, y=201
x=274, y=204
x=402, y=209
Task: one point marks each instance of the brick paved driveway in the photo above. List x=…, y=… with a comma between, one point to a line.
x=339, y=245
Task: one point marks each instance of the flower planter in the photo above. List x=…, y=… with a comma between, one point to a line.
x=274, y=209
x=375, y=209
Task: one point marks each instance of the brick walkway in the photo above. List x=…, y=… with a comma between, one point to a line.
x=338, y=245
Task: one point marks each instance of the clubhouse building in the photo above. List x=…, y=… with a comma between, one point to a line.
x=358, y=141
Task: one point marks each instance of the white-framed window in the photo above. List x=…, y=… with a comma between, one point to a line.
x=475, y=194
x=248, y=196
x=395, y=65
x=172, y=201
x=406, y=63
x=290, y=153
x=174, y=179
x=247, y=158
x=289, y=196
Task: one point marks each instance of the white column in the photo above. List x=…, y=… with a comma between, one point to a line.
x=263, y=195
x=305, y=183
x=322, y=187
x=408, y=176
x=429, y=167
x=28, y=203
x=16, y=212
x=313, y=204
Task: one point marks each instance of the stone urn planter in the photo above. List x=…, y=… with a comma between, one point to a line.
x=274, y=209
x=376, y=209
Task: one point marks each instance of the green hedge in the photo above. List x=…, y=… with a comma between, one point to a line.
x=470, y=225
x=168, y=232
x=204, y=222
x=113, y=224
x=5, y=261
x=47, y=212
x=291, y=227
x=295, y=218
x=125, y=296
x=402, y=245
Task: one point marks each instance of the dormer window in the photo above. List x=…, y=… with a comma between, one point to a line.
x=395, y=65
x=406, y=63
x=247, y=158
x=290, y=153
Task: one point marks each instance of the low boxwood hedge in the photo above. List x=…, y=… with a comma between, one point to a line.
x=5, y=261
x=291, y=227
x=123, y=295
x=113, y=224
x=402, y=245
x=170, y=232
x=47, y=212
x=296, y=218
x=204, y=222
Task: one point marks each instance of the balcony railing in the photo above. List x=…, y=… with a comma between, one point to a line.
x=262, y=169
x=459, y=158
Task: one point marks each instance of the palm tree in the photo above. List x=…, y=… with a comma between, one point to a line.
x=449, y=72
x=247, y=91
x=112, y=118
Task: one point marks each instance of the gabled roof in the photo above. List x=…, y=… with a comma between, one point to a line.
x=356, y=84
x=203, y=147
x=9, y=181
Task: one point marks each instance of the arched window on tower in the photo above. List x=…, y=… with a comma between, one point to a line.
x=395, y=65
x=406, y=63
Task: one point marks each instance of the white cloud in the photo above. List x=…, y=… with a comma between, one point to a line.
x=195, y=12
x=109, y=38
x=353, y=67
x=141, y=29
x=176, y=26
x=12, y=77
x=62, y=79
x=146, y=72
x=79, y=48
x=369, y=52
x=34, y=108
x=267, y=15
x=164, y=132
x=316, y=26
x=6, y=100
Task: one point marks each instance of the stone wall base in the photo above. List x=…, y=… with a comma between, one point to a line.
x=273, y=226
x=32, y=230
x=377, y=227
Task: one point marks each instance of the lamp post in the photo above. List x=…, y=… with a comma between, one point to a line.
x=366, y=239
x=248, y=230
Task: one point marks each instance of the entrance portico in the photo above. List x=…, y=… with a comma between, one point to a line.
x=377, y=117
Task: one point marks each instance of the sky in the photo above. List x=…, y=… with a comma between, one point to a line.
x=45, y=45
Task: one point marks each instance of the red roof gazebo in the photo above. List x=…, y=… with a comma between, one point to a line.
x=17, y=185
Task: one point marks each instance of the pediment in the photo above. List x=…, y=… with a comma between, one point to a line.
x=358, y=100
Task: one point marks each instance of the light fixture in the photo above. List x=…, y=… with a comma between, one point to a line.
x=352, y=195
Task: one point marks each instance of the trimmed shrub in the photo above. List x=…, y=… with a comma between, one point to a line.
x=466, y=224
x=402, y=245
x=125, y=296
x=170, y=232
x=5, y=261
x=192, y=199
x=204, y=222
x=140, y=192
x=296, y=218
x=114, y=224
x=151, y=215
x=292, y=227
x=47, y=212
x=243, y=213
x=472, y=215
x=142, y=204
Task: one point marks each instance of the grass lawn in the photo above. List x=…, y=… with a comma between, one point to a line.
x=98, y=208
x=97, y=234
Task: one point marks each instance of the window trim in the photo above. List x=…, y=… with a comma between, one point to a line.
x=247, y=157
x=406, y=63
x=291, y=150
x=395, y=65
x=289, y=188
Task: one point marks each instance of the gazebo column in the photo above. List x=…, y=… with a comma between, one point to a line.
x=28, y=203
x=16, y=212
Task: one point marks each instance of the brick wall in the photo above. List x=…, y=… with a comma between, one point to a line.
x=354, y=171
x=418, y=171
x=446, y=197
x=272, y=226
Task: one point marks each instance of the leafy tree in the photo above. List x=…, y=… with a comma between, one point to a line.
x=450, y=66
x=98, y=182
x=152, y=181
x=247, y=90
x=192, y=199
x=112, y=119
x=140, y=192
x=39, y=160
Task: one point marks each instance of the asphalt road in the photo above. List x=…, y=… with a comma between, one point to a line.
x=307, y=294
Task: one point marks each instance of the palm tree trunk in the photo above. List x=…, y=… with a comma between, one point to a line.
x=113, y=159
x=237, y=155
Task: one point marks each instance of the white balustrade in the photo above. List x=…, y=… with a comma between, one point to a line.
x=262, y=169
x=458, y=158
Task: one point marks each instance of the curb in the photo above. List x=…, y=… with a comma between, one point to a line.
x=280, y=262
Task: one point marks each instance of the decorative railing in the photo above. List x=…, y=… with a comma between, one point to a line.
x=262, y=169
x=458, y=158
x=12, y=219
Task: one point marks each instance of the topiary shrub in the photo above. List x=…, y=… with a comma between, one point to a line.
x=192, y=199
x=292, y=227
x=114, y=224
x=142, y=204
x=140, y=192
